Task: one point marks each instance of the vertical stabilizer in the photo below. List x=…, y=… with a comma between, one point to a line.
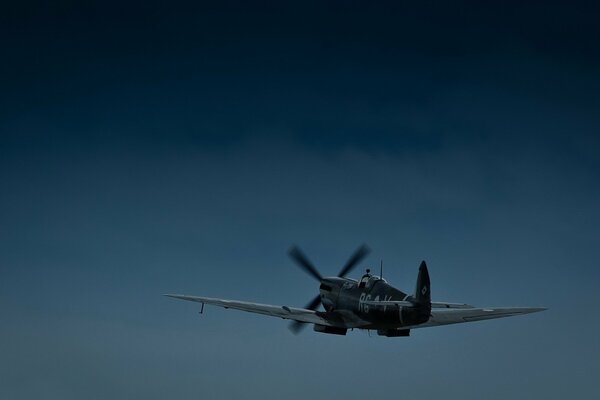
x=423, y=289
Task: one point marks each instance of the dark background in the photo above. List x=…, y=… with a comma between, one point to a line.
x=158, y=147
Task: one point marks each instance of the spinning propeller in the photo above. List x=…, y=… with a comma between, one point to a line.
x=303, y=262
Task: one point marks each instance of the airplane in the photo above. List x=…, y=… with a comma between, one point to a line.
x=369, y=303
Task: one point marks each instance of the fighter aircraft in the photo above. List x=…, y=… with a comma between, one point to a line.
x=369, y=303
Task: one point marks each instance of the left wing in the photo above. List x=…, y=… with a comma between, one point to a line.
x=406, y=303
x=456, y=313
x=285, y=312
x=457, y=316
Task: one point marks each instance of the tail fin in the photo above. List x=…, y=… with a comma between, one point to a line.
x=423, y=289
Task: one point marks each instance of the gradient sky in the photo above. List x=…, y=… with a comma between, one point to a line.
x=153, y=147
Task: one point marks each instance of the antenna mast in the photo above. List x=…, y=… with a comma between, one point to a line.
x=381, y=269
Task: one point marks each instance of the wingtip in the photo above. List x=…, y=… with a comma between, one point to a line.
x=530, y=310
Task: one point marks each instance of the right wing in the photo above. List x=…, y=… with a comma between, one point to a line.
x=285, y=312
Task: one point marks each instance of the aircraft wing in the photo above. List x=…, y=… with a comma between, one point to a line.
x=457, y=316
x=405, y=303
x=457, y=313
x=285, y=312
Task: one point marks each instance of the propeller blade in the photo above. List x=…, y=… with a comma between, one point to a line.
x=314, y=303
x=296, y=326
x=356, y=258
x=298, y=256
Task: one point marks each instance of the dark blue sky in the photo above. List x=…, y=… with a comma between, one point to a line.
x=148, y=148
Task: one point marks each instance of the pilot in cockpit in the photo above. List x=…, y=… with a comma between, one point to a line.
x=365, y=279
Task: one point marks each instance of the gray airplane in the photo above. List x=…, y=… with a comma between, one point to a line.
x=370, y=303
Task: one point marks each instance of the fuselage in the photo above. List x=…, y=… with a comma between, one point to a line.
x=343, y=295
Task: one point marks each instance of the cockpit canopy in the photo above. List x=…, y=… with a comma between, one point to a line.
x=363, y=281
x=369, y=280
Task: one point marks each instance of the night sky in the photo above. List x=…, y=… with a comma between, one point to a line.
x=157, y=147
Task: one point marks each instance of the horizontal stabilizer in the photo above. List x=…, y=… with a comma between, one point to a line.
x=450, y=305
x=399, y=303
